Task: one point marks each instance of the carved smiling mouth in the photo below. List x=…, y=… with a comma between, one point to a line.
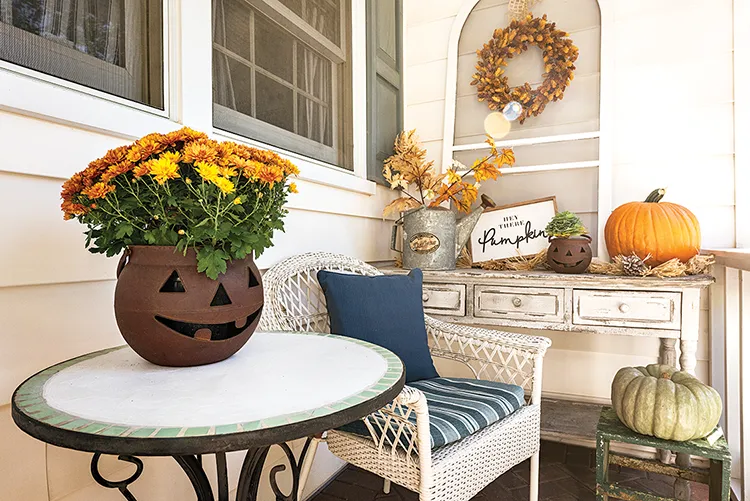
x=567, y=265
x=209, y=332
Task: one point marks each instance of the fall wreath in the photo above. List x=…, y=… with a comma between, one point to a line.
x=559, y=57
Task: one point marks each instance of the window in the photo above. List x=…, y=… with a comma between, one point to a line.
x=114, y=46
x=281, y=74
x=384, y=93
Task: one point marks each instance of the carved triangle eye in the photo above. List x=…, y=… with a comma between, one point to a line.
x=555, y=249
x=173, y=284
x=583, y=251
x=221, y=297
x=253, y=279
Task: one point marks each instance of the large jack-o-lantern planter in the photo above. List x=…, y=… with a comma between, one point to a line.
x=172, y=315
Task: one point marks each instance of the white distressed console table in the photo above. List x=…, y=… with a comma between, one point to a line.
x=665, y=308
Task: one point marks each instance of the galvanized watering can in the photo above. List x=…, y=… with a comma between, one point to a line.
x=432, y=238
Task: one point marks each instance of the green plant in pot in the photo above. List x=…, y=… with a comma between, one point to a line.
x=570, y=247
x=188, y=215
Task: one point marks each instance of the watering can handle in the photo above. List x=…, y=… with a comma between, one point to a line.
x=394, y=233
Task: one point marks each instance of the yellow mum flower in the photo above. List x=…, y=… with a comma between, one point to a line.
x=225, y=185
x=207, y=170
x=227, y=172
x=237, y=201
x=164, y=169
x=172, y=156
x=293, y=188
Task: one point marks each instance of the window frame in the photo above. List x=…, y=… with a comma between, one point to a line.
x=91, y=61
x=374, y=165
x=339, y=154
x=189, y=98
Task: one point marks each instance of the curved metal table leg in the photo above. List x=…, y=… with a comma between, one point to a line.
x=252, y=468
x=121, y=485
x=193, y=468
x=249, y=482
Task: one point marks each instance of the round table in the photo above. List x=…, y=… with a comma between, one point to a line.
x=279, y=387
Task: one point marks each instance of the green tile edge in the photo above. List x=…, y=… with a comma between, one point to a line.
x=29, y=399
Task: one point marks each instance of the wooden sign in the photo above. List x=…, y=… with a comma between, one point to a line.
x=512, y=230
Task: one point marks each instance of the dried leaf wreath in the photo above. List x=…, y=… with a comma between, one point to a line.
x=559, y=55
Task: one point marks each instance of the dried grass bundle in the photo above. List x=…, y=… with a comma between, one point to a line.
x=697, y=265
x=519, y=263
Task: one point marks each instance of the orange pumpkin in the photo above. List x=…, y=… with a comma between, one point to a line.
x=662, y=230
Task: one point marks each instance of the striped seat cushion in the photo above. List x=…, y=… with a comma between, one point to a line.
x=459, y=407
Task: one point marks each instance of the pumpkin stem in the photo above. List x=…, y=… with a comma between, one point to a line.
x=656, y=195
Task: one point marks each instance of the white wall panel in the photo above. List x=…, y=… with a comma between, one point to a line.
x=668, y=131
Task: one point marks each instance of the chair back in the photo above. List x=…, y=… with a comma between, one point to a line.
x=293, y=299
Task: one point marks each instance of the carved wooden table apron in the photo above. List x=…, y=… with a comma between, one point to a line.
x=279, y=387
x=665, y=308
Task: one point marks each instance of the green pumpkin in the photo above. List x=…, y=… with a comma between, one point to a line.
x=666, y=403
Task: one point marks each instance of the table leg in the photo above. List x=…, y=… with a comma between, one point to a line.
x=252, y=468
x=121, y=485
x=667, y=356
x=222, y=476
x=192, y=467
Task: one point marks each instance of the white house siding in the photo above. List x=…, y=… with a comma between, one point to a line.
x=672, y=126
x=56, y=298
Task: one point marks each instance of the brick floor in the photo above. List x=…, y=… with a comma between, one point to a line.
x=567, y=473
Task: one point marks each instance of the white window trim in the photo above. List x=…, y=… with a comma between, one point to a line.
x=188, y=97
x=61, y=82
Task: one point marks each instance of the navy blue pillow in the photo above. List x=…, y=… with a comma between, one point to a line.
x=383, y=310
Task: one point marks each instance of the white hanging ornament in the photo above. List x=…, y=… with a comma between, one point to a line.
x=512, y=110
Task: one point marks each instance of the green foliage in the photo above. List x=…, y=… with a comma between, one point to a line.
x=565, y=224
x=194, y=215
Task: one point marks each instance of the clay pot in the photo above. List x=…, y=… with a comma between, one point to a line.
x=172, y=315
x=569, y=255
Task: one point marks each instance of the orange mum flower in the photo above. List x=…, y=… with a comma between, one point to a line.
x=293, y=188
x=145, y=147
x=200, y=151
x=271, y=174
x=116, y=155
x=72, y=186
x=70, y=210
x=115, y=170
x=99, y=190
x=143, y=168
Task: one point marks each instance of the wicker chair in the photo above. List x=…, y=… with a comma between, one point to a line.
x=398, y=450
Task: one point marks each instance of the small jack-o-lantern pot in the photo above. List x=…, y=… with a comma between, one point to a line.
x=569, y=255
x=172, y=315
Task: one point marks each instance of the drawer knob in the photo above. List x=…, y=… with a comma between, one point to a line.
x=517, y=302
x=425, y=297
x=624, y=308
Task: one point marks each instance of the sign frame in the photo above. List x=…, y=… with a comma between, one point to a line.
x=488, y=211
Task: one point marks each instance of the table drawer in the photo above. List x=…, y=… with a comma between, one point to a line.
x=658, y=310
x=521, y=303
x=444, y=299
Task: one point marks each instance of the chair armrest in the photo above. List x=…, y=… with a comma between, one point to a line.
x=402, y=427
x=490, y=354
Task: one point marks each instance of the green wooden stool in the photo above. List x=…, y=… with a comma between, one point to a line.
x=611, y=429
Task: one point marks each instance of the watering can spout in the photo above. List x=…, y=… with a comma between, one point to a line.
x=465, y=226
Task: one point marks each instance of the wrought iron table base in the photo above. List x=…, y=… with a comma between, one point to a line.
x=247, y=487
